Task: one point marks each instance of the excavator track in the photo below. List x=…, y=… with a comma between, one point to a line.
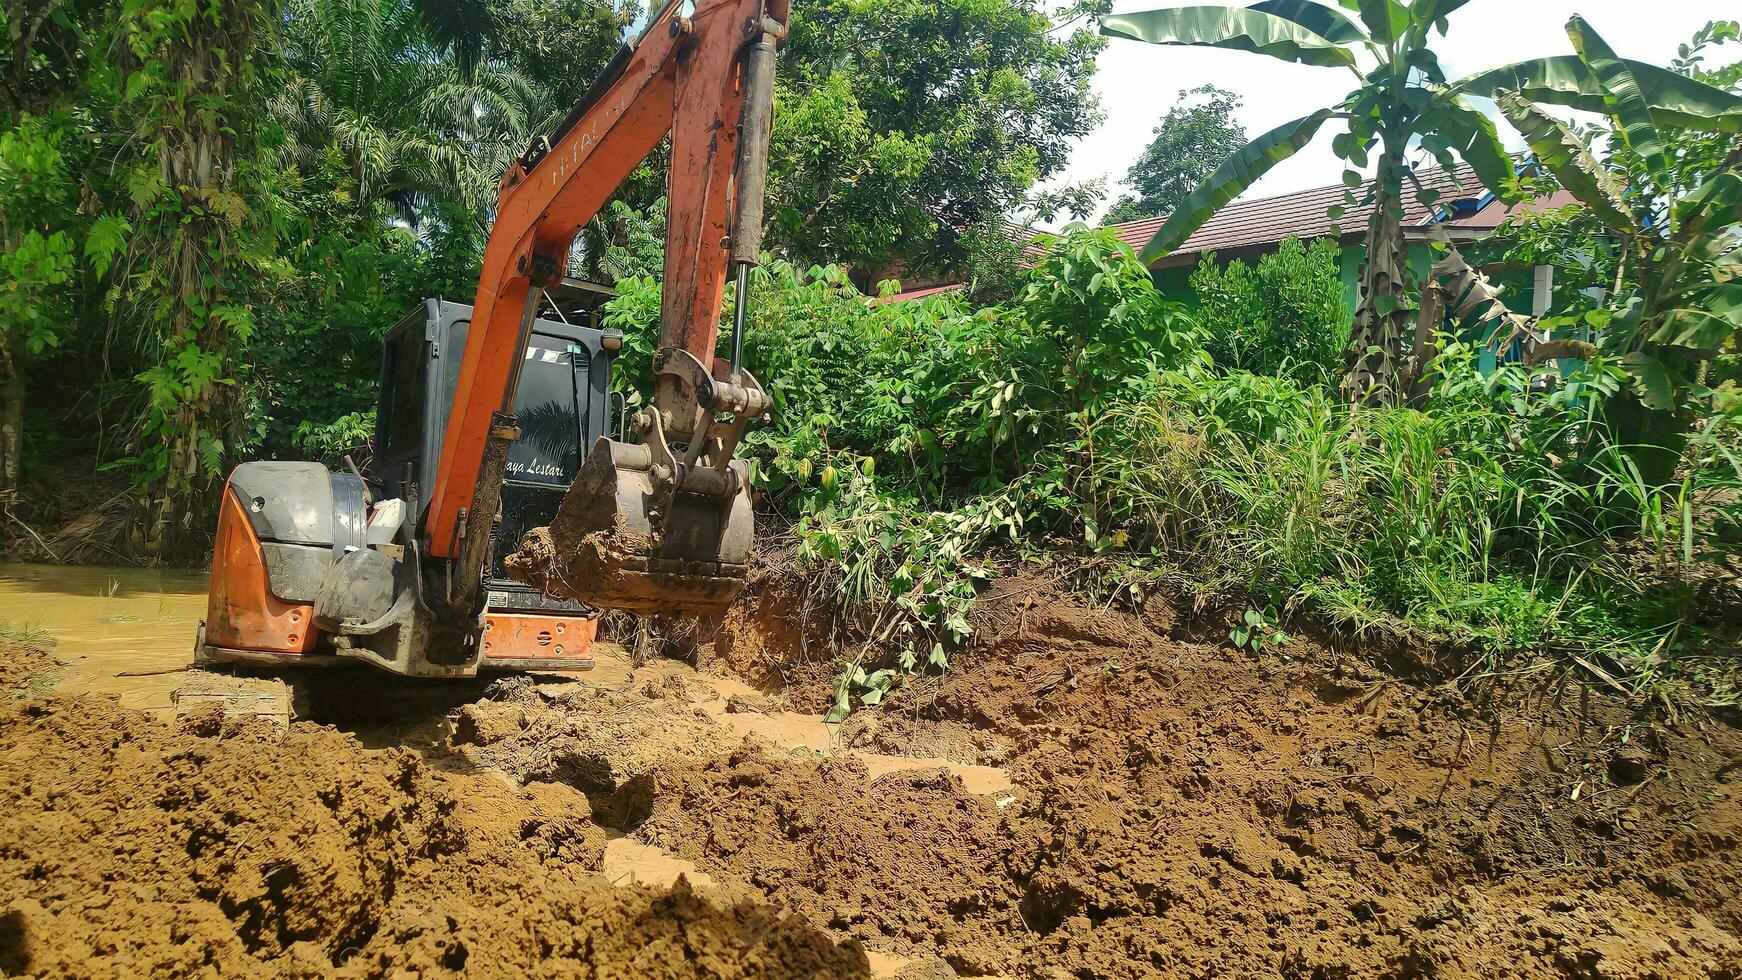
x=238, y=693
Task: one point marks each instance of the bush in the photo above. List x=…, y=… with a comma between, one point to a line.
x=1471, y=522
x=1084, y=417
x=1286, y=317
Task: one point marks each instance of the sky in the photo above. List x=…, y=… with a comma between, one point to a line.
x=1137, y=82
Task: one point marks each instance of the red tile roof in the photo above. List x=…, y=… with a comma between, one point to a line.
x=1269, y=220
x=948, y=287
x=1497, y=211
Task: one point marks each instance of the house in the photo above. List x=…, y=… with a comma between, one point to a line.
x=1465, y=211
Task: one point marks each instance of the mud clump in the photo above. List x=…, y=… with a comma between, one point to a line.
x=596, y=740
x=26, y=667
x=613, y=567
x=130, y=846
x=575, y=563
x=910, y=856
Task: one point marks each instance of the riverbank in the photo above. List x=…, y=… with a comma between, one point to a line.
x=1087, y=792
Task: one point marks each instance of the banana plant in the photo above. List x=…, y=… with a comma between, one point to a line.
x=1669, y=197
x=1401, y=99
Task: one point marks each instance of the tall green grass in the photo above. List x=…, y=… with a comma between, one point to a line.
x=1499, y=533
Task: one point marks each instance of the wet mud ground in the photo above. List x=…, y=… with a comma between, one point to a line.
x=1086, y=793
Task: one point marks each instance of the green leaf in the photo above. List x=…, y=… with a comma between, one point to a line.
x=1236, y=173
x=838, y=711
x=1432, y=10
x=1331, y=24
x=1386, y=20
x=1235, y=28
x=1695, y=328
x=1473, y=136
x=1714, y=204
x=104, y=239
x=1565, y=80
x=1567, y=157
x=1622, y=95
x=1656, y=387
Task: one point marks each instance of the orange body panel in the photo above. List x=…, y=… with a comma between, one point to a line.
x=533, y=636
x=241, y=611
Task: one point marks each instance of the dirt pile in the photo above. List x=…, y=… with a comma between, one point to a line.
x=1189, y=810
x=135, y=847
x=606, y=743
x=910, y=856
x=26, y=667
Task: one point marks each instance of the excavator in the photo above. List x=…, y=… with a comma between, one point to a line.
x=497, y=418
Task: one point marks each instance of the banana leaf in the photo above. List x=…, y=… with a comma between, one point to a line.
x=1674, y=99
x=1236, y=173
x=1656, y=386
x=1567, y=157
x=1386, y=20
x=1473, y=136
x=1235, y=28
x=1621, y=90
x=1330, y=24
x=1698, y=329
x=1715, y=203
x=1441, y=9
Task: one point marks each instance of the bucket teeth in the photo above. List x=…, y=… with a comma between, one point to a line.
x=627, y=537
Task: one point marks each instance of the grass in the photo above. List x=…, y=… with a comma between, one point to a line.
x=1456, y=523
x=26, y=632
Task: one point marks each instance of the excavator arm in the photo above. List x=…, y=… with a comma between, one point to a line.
x=661, y=525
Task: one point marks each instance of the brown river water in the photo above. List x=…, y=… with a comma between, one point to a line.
x=123, y=631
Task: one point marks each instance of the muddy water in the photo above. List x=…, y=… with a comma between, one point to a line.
x=122, y=631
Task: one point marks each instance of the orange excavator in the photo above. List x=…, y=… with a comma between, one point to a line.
x=498, y=418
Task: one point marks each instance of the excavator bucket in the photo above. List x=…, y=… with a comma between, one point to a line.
x=650, y=530
x=626, y=538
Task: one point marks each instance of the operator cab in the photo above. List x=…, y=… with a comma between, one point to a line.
x=564, y=405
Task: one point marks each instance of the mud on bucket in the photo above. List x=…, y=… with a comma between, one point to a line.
x=639, y=537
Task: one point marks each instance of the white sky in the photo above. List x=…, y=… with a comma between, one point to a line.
x=1138, y=82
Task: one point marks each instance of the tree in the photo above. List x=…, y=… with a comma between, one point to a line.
x=560, y=45
x=190, y=87
x=1669, y=196
x=1194, y=136
x=1284, y=316
x=901, y=125
x=43, y=149
x=1401, y=100
x=369, y=92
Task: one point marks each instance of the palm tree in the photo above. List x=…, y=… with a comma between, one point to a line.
x=412, y=125
x=1400, y=101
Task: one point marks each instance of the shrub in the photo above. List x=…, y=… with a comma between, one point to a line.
x=1284, y=317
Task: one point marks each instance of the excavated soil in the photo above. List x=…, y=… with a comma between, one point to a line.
x=1191, y=810
x=1086, y=793
x=132, y=847
x=1199, y=812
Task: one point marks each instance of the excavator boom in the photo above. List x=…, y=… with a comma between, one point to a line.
x=661, y=525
